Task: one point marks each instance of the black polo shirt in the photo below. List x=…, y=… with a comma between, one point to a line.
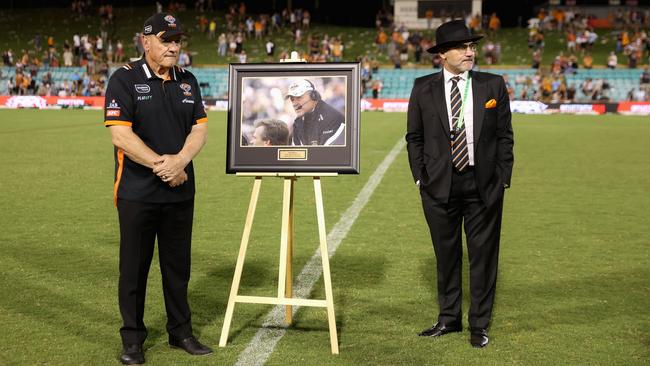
x=162, y=113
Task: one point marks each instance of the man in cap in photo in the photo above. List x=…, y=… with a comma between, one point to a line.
x=158, y=125
x=460, y=149
x=316, y=123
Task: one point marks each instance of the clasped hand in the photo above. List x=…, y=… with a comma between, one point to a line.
x=171, y=169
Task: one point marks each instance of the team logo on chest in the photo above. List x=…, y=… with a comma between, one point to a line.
x=186, y=89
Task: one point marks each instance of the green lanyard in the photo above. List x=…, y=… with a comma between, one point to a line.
x=461, y=119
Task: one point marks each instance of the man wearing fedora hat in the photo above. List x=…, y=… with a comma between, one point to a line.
x=460, y=149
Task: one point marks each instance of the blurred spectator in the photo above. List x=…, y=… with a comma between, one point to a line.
x=612, y=60
x=270, y=48
x=537, y=59
x=337, y=49
x=491, y=52
x=429, y=16
x=494, y=25
x=587, y=88
x=645, y=77
x=8, y=58
x=587, y=61
x=570, y=41
x=376, y=88
x=212, y=29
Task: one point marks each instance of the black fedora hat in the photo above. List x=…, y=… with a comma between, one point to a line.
x=452, y=33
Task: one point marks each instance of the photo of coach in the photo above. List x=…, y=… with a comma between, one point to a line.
x=316, y=123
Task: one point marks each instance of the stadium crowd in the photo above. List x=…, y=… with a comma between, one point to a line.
x=232, y=32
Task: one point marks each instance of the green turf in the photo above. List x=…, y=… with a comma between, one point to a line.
x=573, y=271
x=24, y=24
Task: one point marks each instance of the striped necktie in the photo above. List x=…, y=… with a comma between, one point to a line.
x=459, y=154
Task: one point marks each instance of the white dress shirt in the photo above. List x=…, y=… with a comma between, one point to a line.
x=469, y=109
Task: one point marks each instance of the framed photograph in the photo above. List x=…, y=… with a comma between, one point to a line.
x=293, y=117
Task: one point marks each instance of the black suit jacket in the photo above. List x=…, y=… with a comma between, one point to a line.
x=429, y=142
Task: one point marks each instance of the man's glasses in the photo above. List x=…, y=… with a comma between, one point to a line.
x=467, y=46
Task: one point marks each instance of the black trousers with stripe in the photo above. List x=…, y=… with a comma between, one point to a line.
x=482, y=229
x=140, y=225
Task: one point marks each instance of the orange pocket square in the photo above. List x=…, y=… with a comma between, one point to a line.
x=491, y=104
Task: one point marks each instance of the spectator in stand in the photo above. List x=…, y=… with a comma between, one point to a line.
x=242, y=57
x=119, y=51
x=222, y=45
x=297, y=36
x=306, y=19
x=212, y=29
x=494, y=25
x=381, y=40
x=570, y=41
x=270, y=48
x=8, y=58
x=537, y=59
x=436, y=61
x=67, y=57
x=429, y=16
x=258, y=26
x=645, y=77
x=588, y=61
x=587, y=88
x=612, y=60
x=239, y=42
x=475, y=23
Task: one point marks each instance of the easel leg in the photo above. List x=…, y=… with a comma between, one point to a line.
x=284, y=237
x=322, y=234
x=234, y=289
x=288, y=290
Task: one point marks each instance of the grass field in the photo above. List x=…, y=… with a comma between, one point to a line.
x=573, y=277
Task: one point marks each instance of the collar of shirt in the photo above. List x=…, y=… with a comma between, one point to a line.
x=448, y=75
x=149, y=74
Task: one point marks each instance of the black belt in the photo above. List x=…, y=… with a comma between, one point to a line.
x=467, y=169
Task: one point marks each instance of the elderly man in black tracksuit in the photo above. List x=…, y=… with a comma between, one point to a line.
x=317, y=123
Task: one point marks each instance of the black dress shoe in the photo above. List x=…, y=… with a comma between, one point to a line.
x=440, y=329
x=191, y=345
x=132, y=354
x=479, y=338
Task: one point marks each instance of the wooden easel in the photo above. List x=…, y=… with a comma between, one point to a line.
x=285, y=275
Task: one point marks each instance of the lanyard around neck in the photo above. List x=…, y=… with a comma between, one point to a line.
x=461, y=118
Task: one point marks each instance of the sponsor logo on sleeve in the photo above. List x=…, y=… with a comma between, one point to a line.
x=113, y=105
x=142, y=88
x=112, y=113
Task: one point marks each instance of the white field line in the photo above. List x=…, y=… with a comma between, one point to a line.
x=273, y=329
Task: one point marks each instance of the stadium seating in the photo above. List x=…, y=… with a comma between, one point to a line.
x=397, y=83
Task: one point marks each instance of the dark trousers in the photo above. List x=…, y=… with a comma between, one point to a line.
x=482, y=231
x=140, y=225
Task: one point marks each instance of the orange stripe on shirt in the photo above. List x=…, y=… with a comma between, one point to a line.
x=118, y=177
x=202, y=120
x=118, y=123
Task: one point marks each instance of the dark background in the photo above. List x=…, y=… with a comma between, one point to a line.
x=335, y=12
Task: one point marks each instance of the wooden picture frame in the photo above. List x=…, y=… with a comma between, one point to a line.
x=293, y=117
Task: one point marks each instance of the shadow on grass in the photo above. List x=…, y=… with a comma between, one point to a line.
x=602, y=298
